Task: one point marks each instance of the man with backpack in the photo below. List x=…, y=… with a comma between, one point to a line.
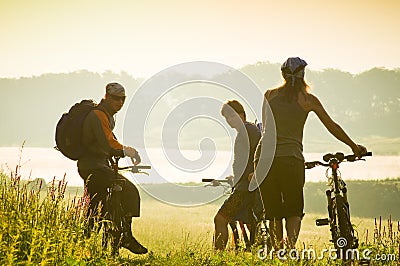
x=100, y=145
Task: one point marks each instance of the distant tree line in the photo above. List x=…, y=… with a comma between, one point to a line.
x=367, y=105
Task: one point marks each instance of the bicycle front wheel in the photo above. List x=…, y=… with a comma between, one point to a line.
x=346, y=239
x=116, y=220
x=113, y=222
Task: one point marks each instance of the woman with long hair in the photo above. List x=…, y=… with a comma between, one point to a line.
x=282, y=189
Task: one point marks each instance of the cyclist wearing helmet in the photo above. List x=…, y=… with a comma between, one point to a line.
x=282, y=189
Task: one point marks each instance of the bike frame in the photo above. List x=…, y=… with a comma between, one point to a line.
x=336, y=205
x=342, y=230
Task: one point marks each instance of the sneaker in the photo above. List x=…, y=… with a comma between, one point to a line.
x=133, y=246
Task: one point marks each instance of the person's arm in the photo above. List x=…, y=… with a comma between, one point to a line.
x=104, y=135
x=106, y=139
x=254, y=135
x=334, y=128
x=264, y=110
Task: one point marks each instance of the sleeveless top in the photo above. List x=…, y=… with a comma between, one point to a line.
x=290, y=118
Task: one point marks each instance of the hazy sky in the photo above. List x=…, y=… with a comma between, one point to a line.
x=144, y=37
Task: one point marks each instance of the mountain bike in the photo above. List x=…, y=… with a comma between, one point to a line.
x=253, y=233
x=113, y=221
x=342, y=231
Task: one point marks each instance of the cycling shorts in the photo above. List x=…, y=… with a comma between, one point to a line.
x=282, y=189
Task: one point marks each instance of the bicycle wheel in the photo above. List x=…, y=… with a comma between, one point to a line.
x=113, y=222
x=332, y=210
x=107, y=224
x=348, y=241
x=260, y=237
x=116, y=221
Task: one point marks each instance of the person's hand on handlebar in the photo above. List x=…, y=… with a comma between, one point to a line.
x=230, y=180
x=136, y=159
x=359, y=150
x=133, y=154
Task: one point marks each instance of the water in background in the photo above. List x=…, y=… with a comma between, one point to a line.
x=48, y=163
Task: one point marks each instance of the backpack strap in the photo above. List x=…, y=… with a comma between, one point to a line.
x=104, y=110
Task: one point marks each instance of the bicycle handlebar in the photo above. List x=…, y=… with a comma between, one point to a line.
x=135, y=168
x=339, y=156
x=216, y=180
x=352, y=157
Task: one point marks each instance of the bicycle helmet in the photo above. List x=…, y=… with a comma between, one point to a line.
x=293, y=68
x=115, y=89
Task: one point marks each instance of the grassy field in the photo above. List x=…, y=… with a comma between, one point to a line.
x=166, y=229
x=46, y=228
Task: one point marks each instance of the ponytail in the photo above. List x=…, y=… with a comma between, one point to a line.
x=293, y=85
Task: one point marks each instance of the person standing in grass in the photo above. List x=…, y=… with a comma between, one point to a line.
x=241, y=200
x=94, y=166
x=282, y=189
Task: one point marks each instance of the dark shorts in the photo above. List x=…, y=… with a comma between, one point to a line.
x=282, y=189
x=98, y=180
x=238, y=206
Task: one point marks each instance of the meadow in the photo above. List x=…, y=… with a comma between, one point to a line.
x=44, y=225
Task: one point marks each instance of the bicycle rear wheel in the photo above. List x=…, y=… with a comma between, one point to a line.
x=345, y=227
x=345, y=240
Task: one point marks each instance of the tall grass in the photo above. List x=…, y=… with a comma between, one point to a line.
x=386, y=238
x=43, y=228
x=40, y=225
